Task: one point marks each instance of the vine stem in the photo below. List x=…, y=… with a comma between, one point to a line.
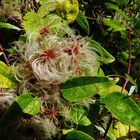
x=4, y=55
x=129, y=58
x=108, y=126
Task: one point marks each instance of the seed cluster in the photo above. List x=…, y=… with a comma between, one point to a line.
x=44, y=64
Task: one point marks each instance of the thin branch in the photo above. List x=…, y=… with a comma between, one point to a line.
x=108, y=126
x=129, y=58
x=116, y=75
x=4, y=55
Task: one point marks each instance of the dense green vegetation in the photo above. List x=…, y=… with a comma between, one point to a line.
x=69, y=69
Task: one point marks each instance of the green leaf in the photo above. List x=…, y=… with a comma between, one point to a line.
x=8, y=26
x=5, y=70
x=124, y=108
x=28, y=104
x=115, y=7
x=25, y=103
x=78, y=135
x=33, y=23
x=78, y=116
x=12, y=115
x=109, y=134
x=114, y=24
x=103, y=55
x=137, y=25
x=130, y=79
x=1, y=53
x=82, y=21
x=7, y=77
x=7, y=83
x=80, y=88
x=114, y=88
x=121, y=2
x=67, y=9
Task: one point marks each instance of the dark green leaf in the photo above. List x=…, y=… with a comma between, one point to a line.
x=13, y=114
x=115, y=7
x=25, y=103
x=103, y=55
x=82, y=21
x=80, y=88
x=78, y=135
x=124, y=108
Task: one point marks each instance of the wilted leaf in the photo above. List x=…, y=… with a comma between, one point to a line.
x=80, y=88
x=124, y=108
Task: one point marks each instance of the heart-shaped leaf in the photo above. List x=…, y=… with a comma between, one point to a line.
x=28, y=104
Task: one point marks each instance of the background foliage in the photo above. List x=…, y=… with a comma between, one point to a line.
x=101, y=105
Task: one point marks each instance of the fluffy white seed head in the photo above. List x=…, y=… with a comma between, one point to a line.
x=57, y=59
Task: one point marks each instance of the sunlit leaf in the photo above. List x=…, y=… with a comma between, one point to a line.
x=5, y=70
x=7, y=83
x=1, y=53
x=114, y=88
x=7, y=79
x=78, y=116
x=114, y=24
x=78, y=135
x=119, y=129
x=82, y=21
x=124, y=108
x=80, y=88
x=8, y=26
x=28, y=104
x=65, y=131
x=67, y=9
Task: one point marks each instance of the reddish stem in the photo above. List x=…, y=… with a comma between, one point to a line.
x=4, y=55
x=129, y=58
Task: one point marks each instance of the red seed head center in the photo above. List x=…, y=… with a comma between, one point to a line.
x=49, y=54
